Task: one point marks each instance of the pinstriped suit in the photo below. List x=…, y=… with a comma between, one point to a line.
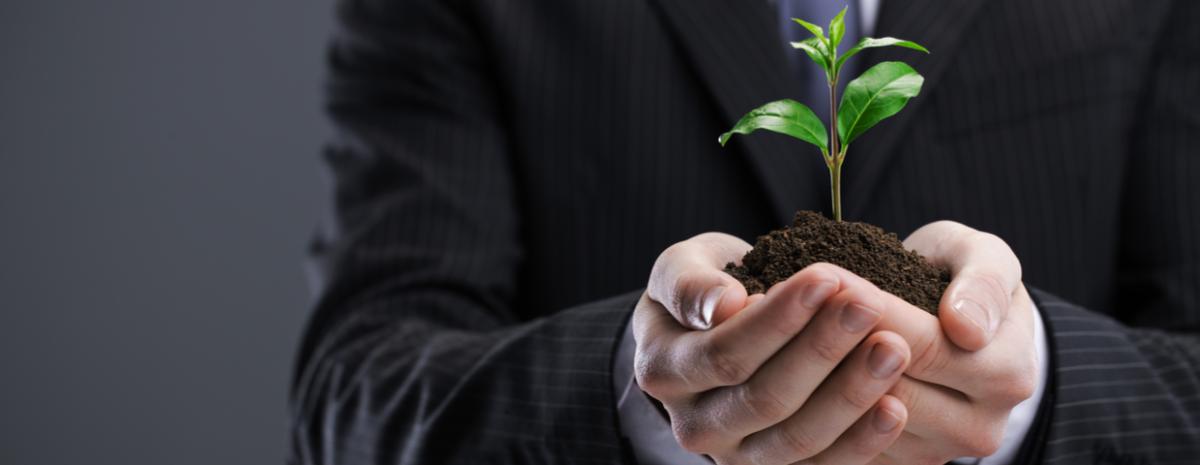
x=502, y=163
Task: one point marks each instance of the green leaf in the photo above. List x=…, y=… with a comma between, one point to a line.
x=877, y=94
x=815, y=50
x=868, y=42
x=813, y=28
x=785, y=117
x=837, y=29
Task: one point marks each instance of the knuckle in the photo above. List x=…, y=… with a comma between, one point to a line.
x=1024, y=388
x=718, y=241
x=1014, y=381
x=961, y=239
x=674, y=299
x=710, y=237
x=788, y=320
x=948, y=236
x=1016, y=390
x=659, y=270
x=652, y=375
x=800, y=441
x=826, y=349
x=761, y=403
x=995, y=242
x=684, y=291
x=665, y=272
x=724, y=369
x=821, y=271
x=865, y=447
x=929, y=357
x=908, y=396
x=691, y=434
x=978, y=442
x=990, y=240
x=858, y=397
x=991, y=284
x=673, y=252
x=660, y=287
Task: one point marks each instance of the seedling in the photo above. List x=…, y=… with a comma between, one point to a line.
x=873, y=96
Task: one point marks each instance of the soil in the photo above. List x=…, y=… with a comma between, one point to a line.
x=861, y=248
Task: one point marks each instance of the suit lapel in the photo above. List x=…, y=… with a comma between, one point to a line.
x=936, y=24
x=737, y=51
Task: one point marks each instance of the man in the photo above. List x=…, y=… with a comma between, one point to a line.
x=508, y=171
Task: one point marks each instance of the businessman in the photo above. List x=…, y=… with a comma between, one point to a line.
x=515, y=270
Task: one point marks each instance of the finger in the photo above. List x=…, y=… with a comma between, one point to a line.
x=655, y=331
x=934, y=358
x=838, y=404
x=999, y=373
x=910, y=449
x=869, y=437
x=737, y=348
x=1006, y=372
x=785, y=382
x=689, y=280
x=680, y=361
x=962, y=429
x=985, y=273
x=933, y=408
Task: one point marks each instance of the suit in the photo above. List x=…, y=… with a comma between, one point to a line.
x=506, y=171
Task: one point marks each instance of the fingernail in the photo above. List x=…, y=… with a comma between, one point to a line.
x=813, y=295
x=857, y=318
x=883, y=361
x=708, y=305
x=885, y=421
x=975, y=313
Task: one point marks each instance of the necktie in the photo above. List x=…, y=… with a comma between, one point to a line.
x=819, y=12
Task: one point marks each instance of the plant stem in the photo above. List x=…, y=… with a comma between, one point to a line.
x=835, y=180
x=835, y=168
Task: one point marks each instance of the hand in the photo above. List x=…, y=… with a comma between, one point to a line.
x=793, y=375
x=986, y=277
x=959, y=399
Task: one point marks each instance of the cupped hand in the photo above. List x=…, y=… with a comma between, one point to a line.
x=969, y=368
x=958, y=400
x=793, y=375
x=974, y=362
x=986, y=277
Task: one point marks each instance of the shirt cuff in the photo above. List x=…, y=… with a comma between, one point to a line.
x=1023, y=415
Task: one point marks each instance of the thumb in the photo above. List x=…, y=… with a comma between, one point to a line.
x=974, y=305
x=985, y=275
x=689, y=280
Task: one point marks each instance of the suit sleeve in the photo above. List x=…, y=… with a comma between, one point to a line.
x=414, y=353
x=1128, y=389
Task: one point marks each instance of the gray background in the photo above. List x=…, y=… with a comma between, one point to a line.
x=160, y=177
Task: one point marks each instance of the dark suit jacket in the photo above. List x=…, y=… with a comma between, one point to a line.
x=502, y=163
